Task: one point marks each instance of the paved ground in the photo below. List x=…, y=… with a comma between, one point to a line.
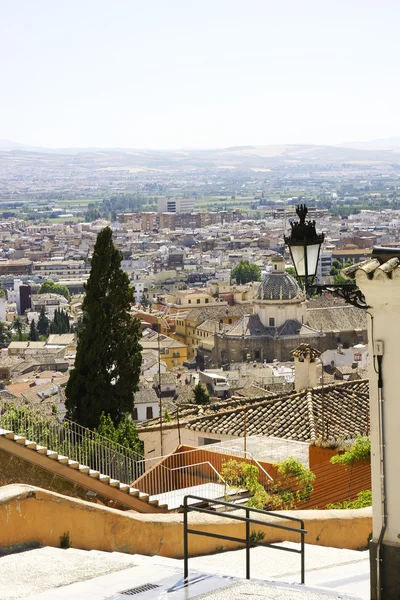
x=33, y=571
x=55, y=574
x=344, y=571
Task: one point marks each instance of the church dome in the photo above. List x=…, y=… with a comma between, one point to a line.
x=278, y=285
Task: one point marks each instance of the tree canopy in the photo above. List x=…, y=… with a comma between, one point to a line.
x=5, y=334
x=108, y=358
x=49, y=287
x=43, y=323
x=124, y=433
x=60, y=322
x=246, y=271
x=200, y=394
x=33, y=332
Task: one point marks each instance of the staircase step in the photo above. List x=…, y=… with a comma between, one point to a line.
x=134, y=492
x=163, y=506
x=73, y=464
x=10, y=435
x=20, y=439
x=52, y=454
x=62, y=459
x=153, y=502
x=124, y=487
x=4, y=431
x=143, y=497
x=104, y=478
x=41, y=449
x=84, y=469
x=113, y=483
x=94, y=474
x=30, y=445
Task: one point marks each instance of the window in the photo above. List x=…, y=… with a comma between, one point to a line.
x=257, y=355
x=198, y=300
x=206, y=300
x=230, y=321
x=134, y=414
x=189, y=302
x=149, y=412
x=272, y=322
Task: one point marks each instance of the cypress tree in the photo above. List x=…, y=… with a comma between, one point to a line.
x=33, y=332
x=43, y=322
x=108, y=358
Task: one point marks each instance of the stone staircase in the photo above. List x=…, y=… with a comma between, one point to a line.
x=71, y=470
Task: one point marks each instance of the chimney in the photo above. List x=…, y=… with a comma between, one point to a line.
x=305, y=367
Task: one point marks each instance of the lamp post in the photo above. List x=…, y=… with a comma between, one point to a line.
x=304, y=245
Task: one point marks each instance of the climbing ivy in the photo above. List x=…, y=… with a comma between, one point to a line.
x=359, y=452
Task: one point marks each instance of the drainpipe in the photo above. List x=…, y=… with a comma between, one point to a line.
x=382, y=478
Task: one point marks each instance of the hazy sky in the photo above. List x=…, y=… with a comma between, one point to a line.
x=198, y=73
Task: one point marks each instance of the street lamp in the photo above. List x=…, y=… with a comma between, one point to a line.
x=304, y=245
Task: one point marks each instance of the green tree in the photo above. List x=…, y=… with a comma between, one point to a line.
x=33, y=332
x=60, y=322
x=43, y=323
x=108, y=358
x=49, y=287
x=18, y=327
x=291, y=271
x=145, y=300
x=200, y=394
x=339, y=278
x=124, y=433
x=245, y=271
x=5, y=334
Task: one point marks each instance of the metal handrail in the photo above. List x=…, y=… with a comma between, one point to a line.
x=247, y=540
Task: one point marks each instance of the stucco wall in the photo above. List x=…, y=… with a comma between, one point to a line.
x=29, y=514
x=383, y=296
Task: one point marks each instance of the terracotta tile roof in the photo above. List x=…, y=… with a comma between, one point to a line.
x=298, y=415
x=336, y=318
x=373, y=268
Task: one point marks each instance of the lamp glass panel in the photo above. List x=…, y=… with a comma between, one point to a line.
x=312, y=258
x=298, y=257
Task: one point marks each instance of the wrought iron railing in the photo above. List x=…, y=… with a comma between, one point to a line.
x=76, y=442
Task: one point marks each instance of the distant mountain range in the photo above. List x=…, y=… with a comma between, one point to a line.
x=242, y=157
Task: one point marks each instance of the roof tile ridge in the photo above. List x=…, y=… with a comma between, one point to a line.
x=331, y=386
x=240, y=407
x=311, y=418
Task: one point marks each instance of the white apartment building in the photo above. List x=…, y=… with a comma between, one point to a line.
x=175, y=205
x=61, y=268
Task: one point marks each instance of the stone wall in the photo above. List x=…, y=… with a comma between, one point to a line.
x=238, y=349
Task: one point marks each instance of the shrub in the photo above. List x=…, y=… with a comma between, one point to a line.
x=359, y=452
x=363, y=500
